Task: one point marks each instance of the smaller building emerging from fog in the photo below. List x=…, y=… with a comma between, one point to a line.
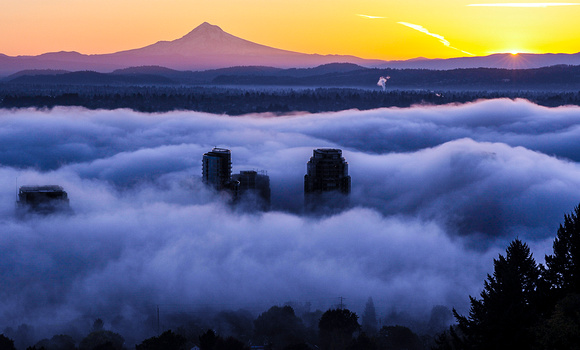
x=42, y=199
x=326, y=183
x=254, y=186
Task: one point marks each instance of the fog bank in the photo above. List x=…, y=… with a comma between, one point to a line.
x=437, y=193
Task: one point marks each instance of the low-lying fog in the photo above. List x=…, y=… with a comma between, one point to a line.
x=437, y=193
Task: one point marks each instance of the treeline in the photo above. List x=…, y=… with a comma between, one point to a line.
x=279, y=328
x=238, y=101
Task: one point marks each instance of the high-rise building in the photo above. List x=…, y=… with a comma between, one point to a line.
x=326, y=178
x=256, y=184
x=42, y=199
x=217, y=168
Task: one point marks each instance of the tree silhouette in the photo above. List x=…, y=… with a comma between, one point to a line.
x=6, y=343
x=506, y=312
x=563, y=266
x=363, y=342
x=561, y=304
x=561, y=331
x=369, y=318
x=166, y=341
x=210, y=341
x=399, y=337
x=102, y=340
x=57, y=342
x=207, y=340
x=336, y=328
x=280, y=327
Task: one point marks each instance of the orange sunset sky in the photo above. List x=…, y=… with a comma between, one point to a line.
x=384, y=29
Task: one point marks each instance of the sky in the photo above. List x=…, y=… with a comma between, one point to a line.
x=437, y=193
x=379, y=29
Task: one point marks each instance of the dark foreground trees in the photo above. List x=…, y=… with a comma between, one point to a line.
x=166, y=341
x=563, y=266
x=279, y=327
x=211, y=341
x=6, y=343
x=337, y=327
x=101, y=339
x=524, y=305
x=504, y=316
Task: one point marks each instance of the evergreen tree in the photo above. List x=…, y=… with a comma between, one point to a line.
x=563, y=267
x=369, y=318
x=506, y=312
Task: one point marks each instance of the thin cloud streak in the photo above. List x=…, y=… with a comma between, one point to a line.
x=372, y=17
x=527, y=4
x=440, y=37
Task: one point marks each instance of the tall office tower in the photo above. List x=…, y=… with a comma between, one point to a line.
x=326, y=179
x=217, y=168
x=255, y=186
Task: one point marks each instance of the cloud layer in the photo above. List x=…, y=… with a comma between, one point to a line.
x=437, y=192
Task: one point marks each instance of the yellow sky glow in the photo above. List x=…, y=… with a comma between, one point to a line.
x=364, y=28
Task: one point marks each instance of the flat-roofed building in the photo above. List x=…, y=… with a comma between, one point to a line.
x=42, y=199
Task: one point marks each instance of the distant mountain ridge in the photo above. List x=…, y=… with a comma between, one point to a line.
x=553, y=78
x=209, y=47
x=500, y=60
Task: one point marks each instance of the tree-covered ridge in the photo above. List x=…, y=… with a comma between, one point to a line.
x=238, y=101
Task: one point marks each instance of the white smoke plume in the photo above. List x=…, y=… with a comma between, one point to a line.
x=383, y=82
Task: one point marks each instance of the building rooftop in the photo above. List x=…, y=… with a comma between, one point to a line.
x=46, y=188
x=221, y=150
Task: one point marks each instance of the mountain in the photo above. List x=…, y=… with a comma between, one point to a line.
x=205, y=47
x=91, y=78
x=208, y=47
x=35, y=72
